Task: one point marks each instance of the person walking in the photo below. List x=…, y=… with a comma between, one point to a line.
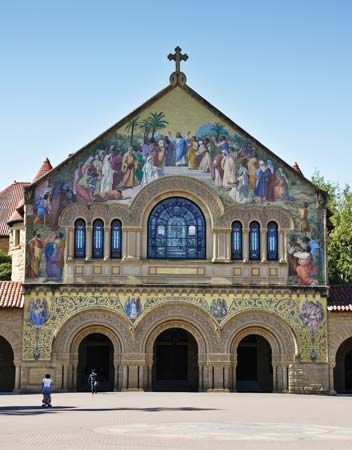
x=46, y=390
x=93, y=381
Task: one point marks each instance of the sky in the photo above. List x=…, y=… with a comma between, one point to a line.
x=279, y=69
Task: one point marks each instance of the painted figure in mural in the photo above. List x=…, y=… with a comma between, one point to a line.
x=54, y=257
x=98, y=166
x=293, y=247
x=133, y=308
x=228, y=166
x=217, y=172
x=252, y=166
x=223, y=145
x=42, y=208
x=116, y=165
x=204, y=152
x=303, y=215
x=169, y=158
x=35, y=252
x=281, y=189
x=312, y=314
x=240, y=193
x=218, y=308
x=129, y=165
x=305, y=268
x=140, y=163
x=150, y=172
x=181, y=148
x=107, y=171
x=271, y=195
x=162, y=152
x=62, y=196
x=261, y=188
x=38, y=312
x=192, y=153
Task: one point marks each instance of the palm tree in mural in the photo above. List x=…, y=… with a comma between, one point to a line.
x=131, y=126
x=218, y=130
x=146, y=126
x=157, y=121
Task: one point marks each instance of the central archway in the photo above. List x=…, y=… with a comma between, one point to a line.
x=7, y=368
x=175, y=361
x=96, y=351
x=254, y=367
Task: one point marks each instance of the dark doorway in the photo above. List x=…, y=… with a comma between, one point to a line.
x=254, y=369
x=96, y=352
x=175, y=366
x=343, y=368
x=7, y=368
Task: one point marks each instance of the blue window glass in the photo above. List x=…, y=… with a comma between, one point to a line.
x=80, y=239
x=272, y=242
x=236, y=241
x=98, y=239
x=254, y=241
x=116, y=239
x=176, y=230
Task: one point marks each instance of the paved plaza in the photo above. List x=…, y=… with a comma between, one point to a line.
x=175, y=421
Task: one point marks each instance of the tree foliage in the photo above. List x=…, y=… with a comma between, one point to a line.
x=339, y=247
x=5, y=267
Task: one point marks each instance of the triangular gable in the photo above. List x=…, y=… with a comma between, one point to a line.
x=202, y=101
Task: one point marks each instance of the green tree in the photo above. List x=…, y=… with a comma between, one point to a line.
x=131, y=126
x=5, y=266
x=157, y=122
x=339, y=248
x=218, y=130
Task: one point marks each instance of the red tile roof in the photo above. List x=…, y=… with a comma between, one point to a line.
x=45, y=168
x=9, y=199
x=11, y=294
x=340, y=298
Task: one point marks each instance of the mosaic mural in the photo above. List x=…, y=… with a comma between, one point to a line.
x=305, y=316
x=175, y=136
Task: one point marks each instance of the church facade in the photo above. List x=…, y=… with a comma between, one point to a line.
x=175, y=252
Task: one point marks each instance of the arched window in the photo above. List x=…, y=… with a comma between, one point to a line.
x=236, y=241
x=115, y=239
x=254, y=241
x=272, y=242
x=80, y=238
x=176, y=230
x=98, y=239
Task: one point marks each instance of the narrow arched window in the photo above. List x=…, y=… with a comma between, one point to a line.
x=272, y=242
x=116, y=239
x=80, y=238
x=98, y=239
x=236, y=241
x=254, y=241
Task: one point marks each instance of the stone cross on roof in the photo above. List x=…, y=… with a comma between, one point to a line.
x=177, y=77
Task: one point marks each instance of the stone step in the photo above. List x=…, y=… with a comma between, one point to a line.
x=184, y=171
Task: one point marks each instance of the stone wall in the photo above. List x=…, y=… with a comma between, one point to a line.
x=4, y=244
x=308, y=378
x=11, y=329
x=17, y=252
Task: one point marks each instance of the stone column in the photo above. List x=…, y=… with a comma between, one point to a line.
x=107, y=231
x=125, y=378
x=245, y=246
x=331, y=379
x=17, y=377
x=221, y=246
x=70, y=243
x=234, y=377
x=116, y=377
x=131, y=243
x=74, y=376
x=65, y=377
x=263, y=244
x=275, y=389
x=141, y=378
x=284, y=378
x=88, y=243
x=282, y=248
